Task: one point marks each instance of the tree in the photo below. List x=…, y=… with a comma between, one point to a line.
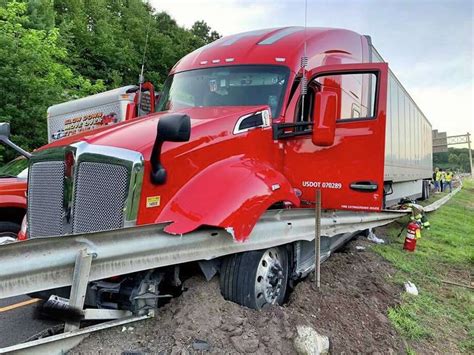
x=440, y=158
x=41, y=14
x=55, y=51
x=464, y=161
x=32, y=76
x=106, y=39
x=453, y=159
x=201, y=30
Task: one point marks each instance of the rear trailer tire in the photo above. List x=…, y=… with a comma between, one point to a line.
x=426, y=190
x=255, y=279
x=9, y=229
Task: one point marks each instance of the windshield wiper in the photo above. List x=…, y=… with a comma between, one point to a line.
x=7, y=176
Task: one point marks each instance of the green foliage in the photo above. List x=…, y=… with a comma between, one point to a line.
x=32, y=76
x=106, y=39
x=464, y=161
x=405, y=318
x=444, y=253
x=41, y=14
x=203, y=31
x=55, y=51
x=454, y=158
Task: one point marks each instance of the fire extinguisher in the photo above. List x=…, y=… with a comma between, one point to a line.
x=413, y=233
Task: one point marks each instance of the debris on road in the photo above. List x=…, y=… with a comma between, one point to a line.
x=201, y=345
x=310, y=342
x=373, y=238
x=6, y=240
x=411, y=288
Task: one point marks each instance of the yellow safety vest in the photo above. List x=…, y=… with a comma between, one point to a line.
x=449, y=176
x=438, y=176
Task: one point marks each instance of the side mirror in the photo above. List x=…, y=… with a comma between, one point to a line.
x=172, y=127
x=324, y=118
x=5, y=139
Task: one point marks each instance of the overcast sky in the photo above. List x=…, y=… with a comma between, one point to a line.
x=428, y=44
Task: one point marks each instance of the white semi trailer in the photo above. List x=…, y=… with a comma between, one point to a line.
x=408, y=143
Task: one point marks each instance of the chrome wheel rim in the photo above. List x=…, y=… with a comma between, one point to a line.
x=269, y=278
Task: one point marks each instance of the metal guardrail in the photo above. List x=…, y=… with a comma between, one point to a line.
x=61, y=343
x=46, y=263
x=438, y=203
x=60, y=261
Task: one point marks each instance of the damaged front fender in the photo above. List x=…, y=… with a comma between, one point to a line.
x=230, y=194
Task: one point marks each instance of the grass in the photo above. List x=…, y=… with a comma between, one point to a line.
x=441, y=317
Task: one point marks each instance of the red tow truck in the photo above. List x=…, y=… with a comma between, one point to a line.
x=106, y=108
x=252, y=122
x=12, y=197
x=13, y=177
x=64, y=120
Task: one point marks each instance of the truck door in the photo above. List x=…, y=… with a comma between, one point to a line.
x=337, y=144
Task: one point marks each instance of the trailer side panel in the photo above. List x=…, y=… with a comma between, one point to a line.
x=408, y=145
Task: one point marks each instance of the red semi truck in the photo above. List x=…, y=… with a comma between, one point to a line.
x=233, y=137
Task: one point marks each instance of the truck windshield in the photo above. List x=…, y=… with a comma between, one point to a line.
x=245, y=85
x=15, y=168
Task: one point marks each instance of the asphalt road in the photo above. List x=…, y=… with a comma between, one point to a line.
x=18, y=321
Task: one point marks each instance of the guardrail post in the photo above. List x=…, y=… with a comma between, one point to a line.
x=317, y=239
x=80, y=280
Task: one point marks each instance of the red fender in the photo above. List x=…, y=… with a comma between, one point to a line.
x=231, y=194
x=13, y=201
x=13, y=193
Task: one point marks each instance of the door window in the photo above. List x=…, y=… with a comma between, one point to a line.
x=355, y=93
x=343, y=153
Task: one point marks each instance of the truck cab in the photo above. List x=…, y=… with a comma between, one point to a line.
x=255, y=140
x=249, y=123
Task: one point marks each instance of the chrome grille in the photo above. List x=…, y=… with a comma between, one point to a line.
x=45, y=199
x=100, y=195
x=83, y=188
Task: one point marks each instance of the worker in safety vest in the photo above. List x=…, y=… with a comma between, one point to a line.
x=443, y=179
x=449, y=179
x=417, y=214
x=437, y=180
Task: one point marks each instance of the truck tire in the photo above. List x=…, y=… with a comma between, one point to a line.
x=426, y=190
x=255, y=279
x=9, y=229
